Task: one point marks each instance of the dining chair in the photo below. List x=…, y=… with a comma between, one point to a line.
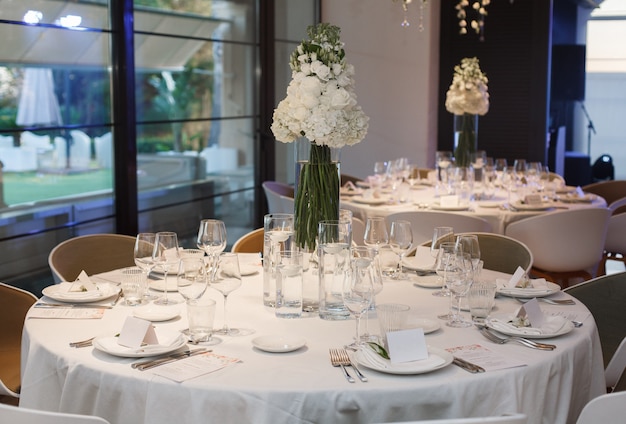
x=423, y=223
x=275, y=193
x=615, y=243
x=20, y=415
x=92, y=253
x=251, y=242
x=566, y=245
x=502, y=253
x=610, y=190
x=14, y=304
x=351, y=178
x=605, y=297
x=615, y=371
x=618, y=206
x=606, y=409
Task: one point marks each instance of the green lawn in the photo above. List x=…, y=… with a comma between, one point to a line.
x=24, y=187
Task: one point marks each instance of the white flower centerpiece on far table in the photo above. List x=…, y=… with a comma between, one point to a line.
x=467, y=98
x=321, y=111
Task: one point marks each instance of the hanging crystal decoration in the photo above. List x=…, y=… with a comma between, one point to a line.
x=405, y=7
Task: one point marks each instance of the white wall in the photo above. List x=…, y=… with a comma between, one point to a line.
x=396, y=79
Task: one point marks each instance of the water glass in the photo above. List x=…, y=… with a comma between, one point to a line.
x=481, y=298
x=133, y=285
x=277, y=237
x=333, y=253
x=201, y=314
x=289, y=285
x=391, y=317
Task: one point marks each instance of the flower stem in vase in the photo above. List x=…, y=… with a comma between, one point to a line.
x=465, y=132
x=317, y=193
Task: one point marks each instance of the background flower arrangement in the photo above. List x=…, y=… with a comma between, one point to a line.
x=320, y=106
x=467, y=96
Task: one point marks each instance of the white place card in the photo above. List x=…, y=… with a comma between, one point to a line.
x=580, y=192
x=533, y=313
x=485, y=358
x=407, y=345
x=194, y=366
x=533, y=199
x=451, y=201
x=516, y=277
x=137, y=331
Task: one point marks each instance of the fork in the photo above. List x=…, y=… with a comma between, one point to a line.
x=505, y=339
x=345, y=360
x=336, y=362
x=82, y=343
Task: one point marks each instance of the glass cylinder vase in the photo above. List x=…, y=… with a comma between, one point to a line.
x=316, y=190
x=465, y=138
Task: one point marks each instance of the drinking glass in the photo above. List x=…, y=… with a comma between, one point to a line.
x=444, y=266
x=277, y=236
x=400, y=241
x=376, y=234
x=142, y=253
x=334, y=252
x=358, y=290
x=440, y=235
x=372, y=255
x=533, y=175
x=520, y=168
x=460, y=277
x=212, y=239
x=226, y=280
x=192, y=280
x=166, y=257
x=469, y=244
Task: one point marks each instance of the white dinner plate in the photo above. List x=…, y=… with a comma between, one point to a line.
x=248, y=269
x=278, y=343
x=490, y=203
x=428, y=282
x=575, y=198
x=544, y=206
x=566, y=328
x=419, y=262
x=438, y=207
x=426, y=324
x=109, y=345
x=565, y=189
x=530, y=292
x=59, y=292
x=156, y=313
x=437, y=359
x=370, y=200
x=350, y=192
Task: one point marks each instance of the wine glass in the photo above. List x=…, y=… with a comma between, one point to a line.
x=469, y=244
x=212, y=239
x=400, y=241
x=376, y=234
x=226, y=280
x=371, y=254
x=460, y=278
x=166, y=257
x=142, y=254
x=358, y=291
x=445, y=260
x=192, y=279
x=440, y=235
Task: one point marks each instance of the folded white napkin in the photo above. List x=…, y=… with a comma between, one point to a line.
x=166, y=339
x=551, y=325
x=64, y=292
x=377, y=361
x=539, y=286
x=422, y=261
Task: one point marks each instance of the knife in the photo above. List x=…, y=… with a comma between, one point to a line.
x=467, y=366
x=142, y=366
x=71, y=305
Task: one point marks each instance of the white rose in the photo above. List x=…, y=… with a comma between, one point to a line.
x=321, y=70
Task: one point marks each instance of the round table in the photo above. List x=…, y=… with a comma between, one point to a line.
x=302, y=386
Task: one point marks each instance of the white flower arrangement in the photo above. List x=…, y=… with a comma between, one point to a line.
x=321, y=103
x=468, y=92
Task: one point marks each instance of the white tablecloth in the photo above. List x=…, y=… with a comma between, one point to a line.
x=424, y=197
x=302, y=386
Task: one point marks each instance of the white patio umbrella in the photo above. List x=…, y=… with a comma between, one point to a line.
x=38, y=103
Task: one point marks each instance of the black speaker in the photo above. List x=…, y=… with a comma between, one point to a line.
x=568, y=72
